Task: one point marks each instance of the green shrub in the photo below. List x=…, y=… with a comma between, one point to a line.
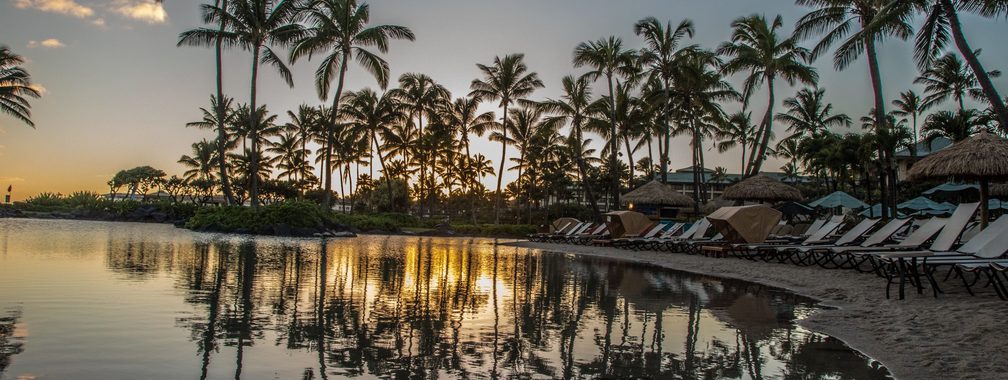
x=294, y=214
x=50, y=200
x=379, y=222
x=84, y=199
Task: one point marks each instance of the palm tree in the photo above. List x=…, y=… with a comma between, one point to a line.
x=254, y=25
x=419, y=94
x=699, y=91
x=662, y=55
x=735, y=130
x=948, y=78
x=909, y=104
x=573, y=108
x=15, y=87
x=955, y=126
x=304, y=123
x=373, y=114
x=941, y=22
x=201, y=162
x=340, y=28
x=835, y=19
x=463, y=118
x=757, y=48
x=607, y=58
x=808, y=114
x=220, y=110
x=507, y=79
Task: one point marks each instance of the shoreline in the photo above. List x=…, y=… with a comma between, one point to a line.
x=921, y=337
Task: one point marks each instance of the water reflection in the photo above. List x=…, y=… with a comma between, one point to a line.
x=11, y=341
x=409, y=308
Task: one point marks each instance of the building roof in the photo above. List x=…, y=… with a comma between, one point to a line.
x=681, y=177
x=924, y=149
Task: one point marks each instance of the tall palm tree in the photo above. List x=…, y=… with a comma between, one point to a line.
x=940, y=23
x=910, y=105
x=699, y=90
x=508, y=80
x=256, y=26
x=220, y=110
x=373, y=114
x=608, y=58
x=420, y=95
x=15, y=87
x=757, y=48
x=464, y=119
x=948, y=78
x=304, y=123
x=573, y=108
x=808, y=113
x=340, y=29
x=662, y=54
x=836, y=20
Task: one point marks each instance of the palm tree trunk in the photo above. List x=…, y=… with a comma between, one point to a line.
x=327, y=186
x=583, y=171
x=500, y=172
x=997, y=104
x=614, y=145
x=650, y=153
x=385, y=175
x=629, y=154
x=767, y=130
x=667, y=132
x=880, y=120
x=254, y=133
x=221, y=132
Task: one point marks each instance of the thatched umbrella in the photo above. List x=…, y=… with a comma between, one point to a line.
x=762, y=189
x=982, y=157
x=657, y=193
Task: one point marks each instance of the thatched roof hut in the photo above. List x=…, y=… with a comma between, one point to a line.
x=982, y=158
x=657, y=193
x=762, y=189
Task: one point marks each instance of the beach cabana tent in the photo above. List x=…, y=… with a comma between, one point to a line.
x=838, y=199
x=981, y=157
x=654, y=196
x=745, y=224
x=761, y=188
x=626, y=222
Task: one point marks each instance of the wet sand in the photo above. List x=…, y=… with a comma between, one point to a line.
x=956, y=336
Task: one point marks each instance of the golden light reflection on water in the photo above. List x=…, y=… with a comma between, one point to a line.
x=149, y=301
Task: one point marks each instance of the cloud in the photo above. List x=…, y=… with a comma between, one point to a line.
x=51, y=43
x=65, y=7
x=148, y=11
x=8, y=180
x=99, y=22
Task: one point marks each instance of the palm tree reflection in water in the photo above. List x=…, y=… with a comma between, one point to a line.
x=399, y=307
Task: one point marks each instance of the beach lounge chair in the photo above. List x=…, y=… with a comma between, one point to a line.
x=697, y=231
x=826, y=256
x=672, y=232
x=559, y=238
x=798, y=254
x=598, y=231
x=631, y=241
x=563, y=229
x=768, y=251
x=988, y=245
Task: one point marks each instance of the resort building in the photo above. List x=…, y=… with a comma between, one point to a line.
x=682, y=180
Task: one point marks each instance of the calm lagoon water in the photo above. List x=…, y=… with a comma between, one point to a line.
x=95, y=300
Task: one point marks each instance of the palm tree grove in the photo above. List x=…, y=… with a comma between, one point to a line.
x=458, y=189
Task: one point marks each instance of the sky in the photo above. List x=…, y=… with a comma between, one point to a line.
x=118, y=92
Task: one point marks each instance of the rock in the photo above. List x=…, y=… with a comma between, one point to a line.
x=344, y=234
x=282, y=230
x=159, y=217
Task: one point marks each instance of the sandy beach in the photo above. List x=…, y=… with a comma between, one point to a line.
x=955, y=336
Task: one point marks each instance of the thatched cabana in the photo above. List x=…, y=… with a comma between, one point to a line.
x=761, y=188
x=982, y=157
x=655, y=196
